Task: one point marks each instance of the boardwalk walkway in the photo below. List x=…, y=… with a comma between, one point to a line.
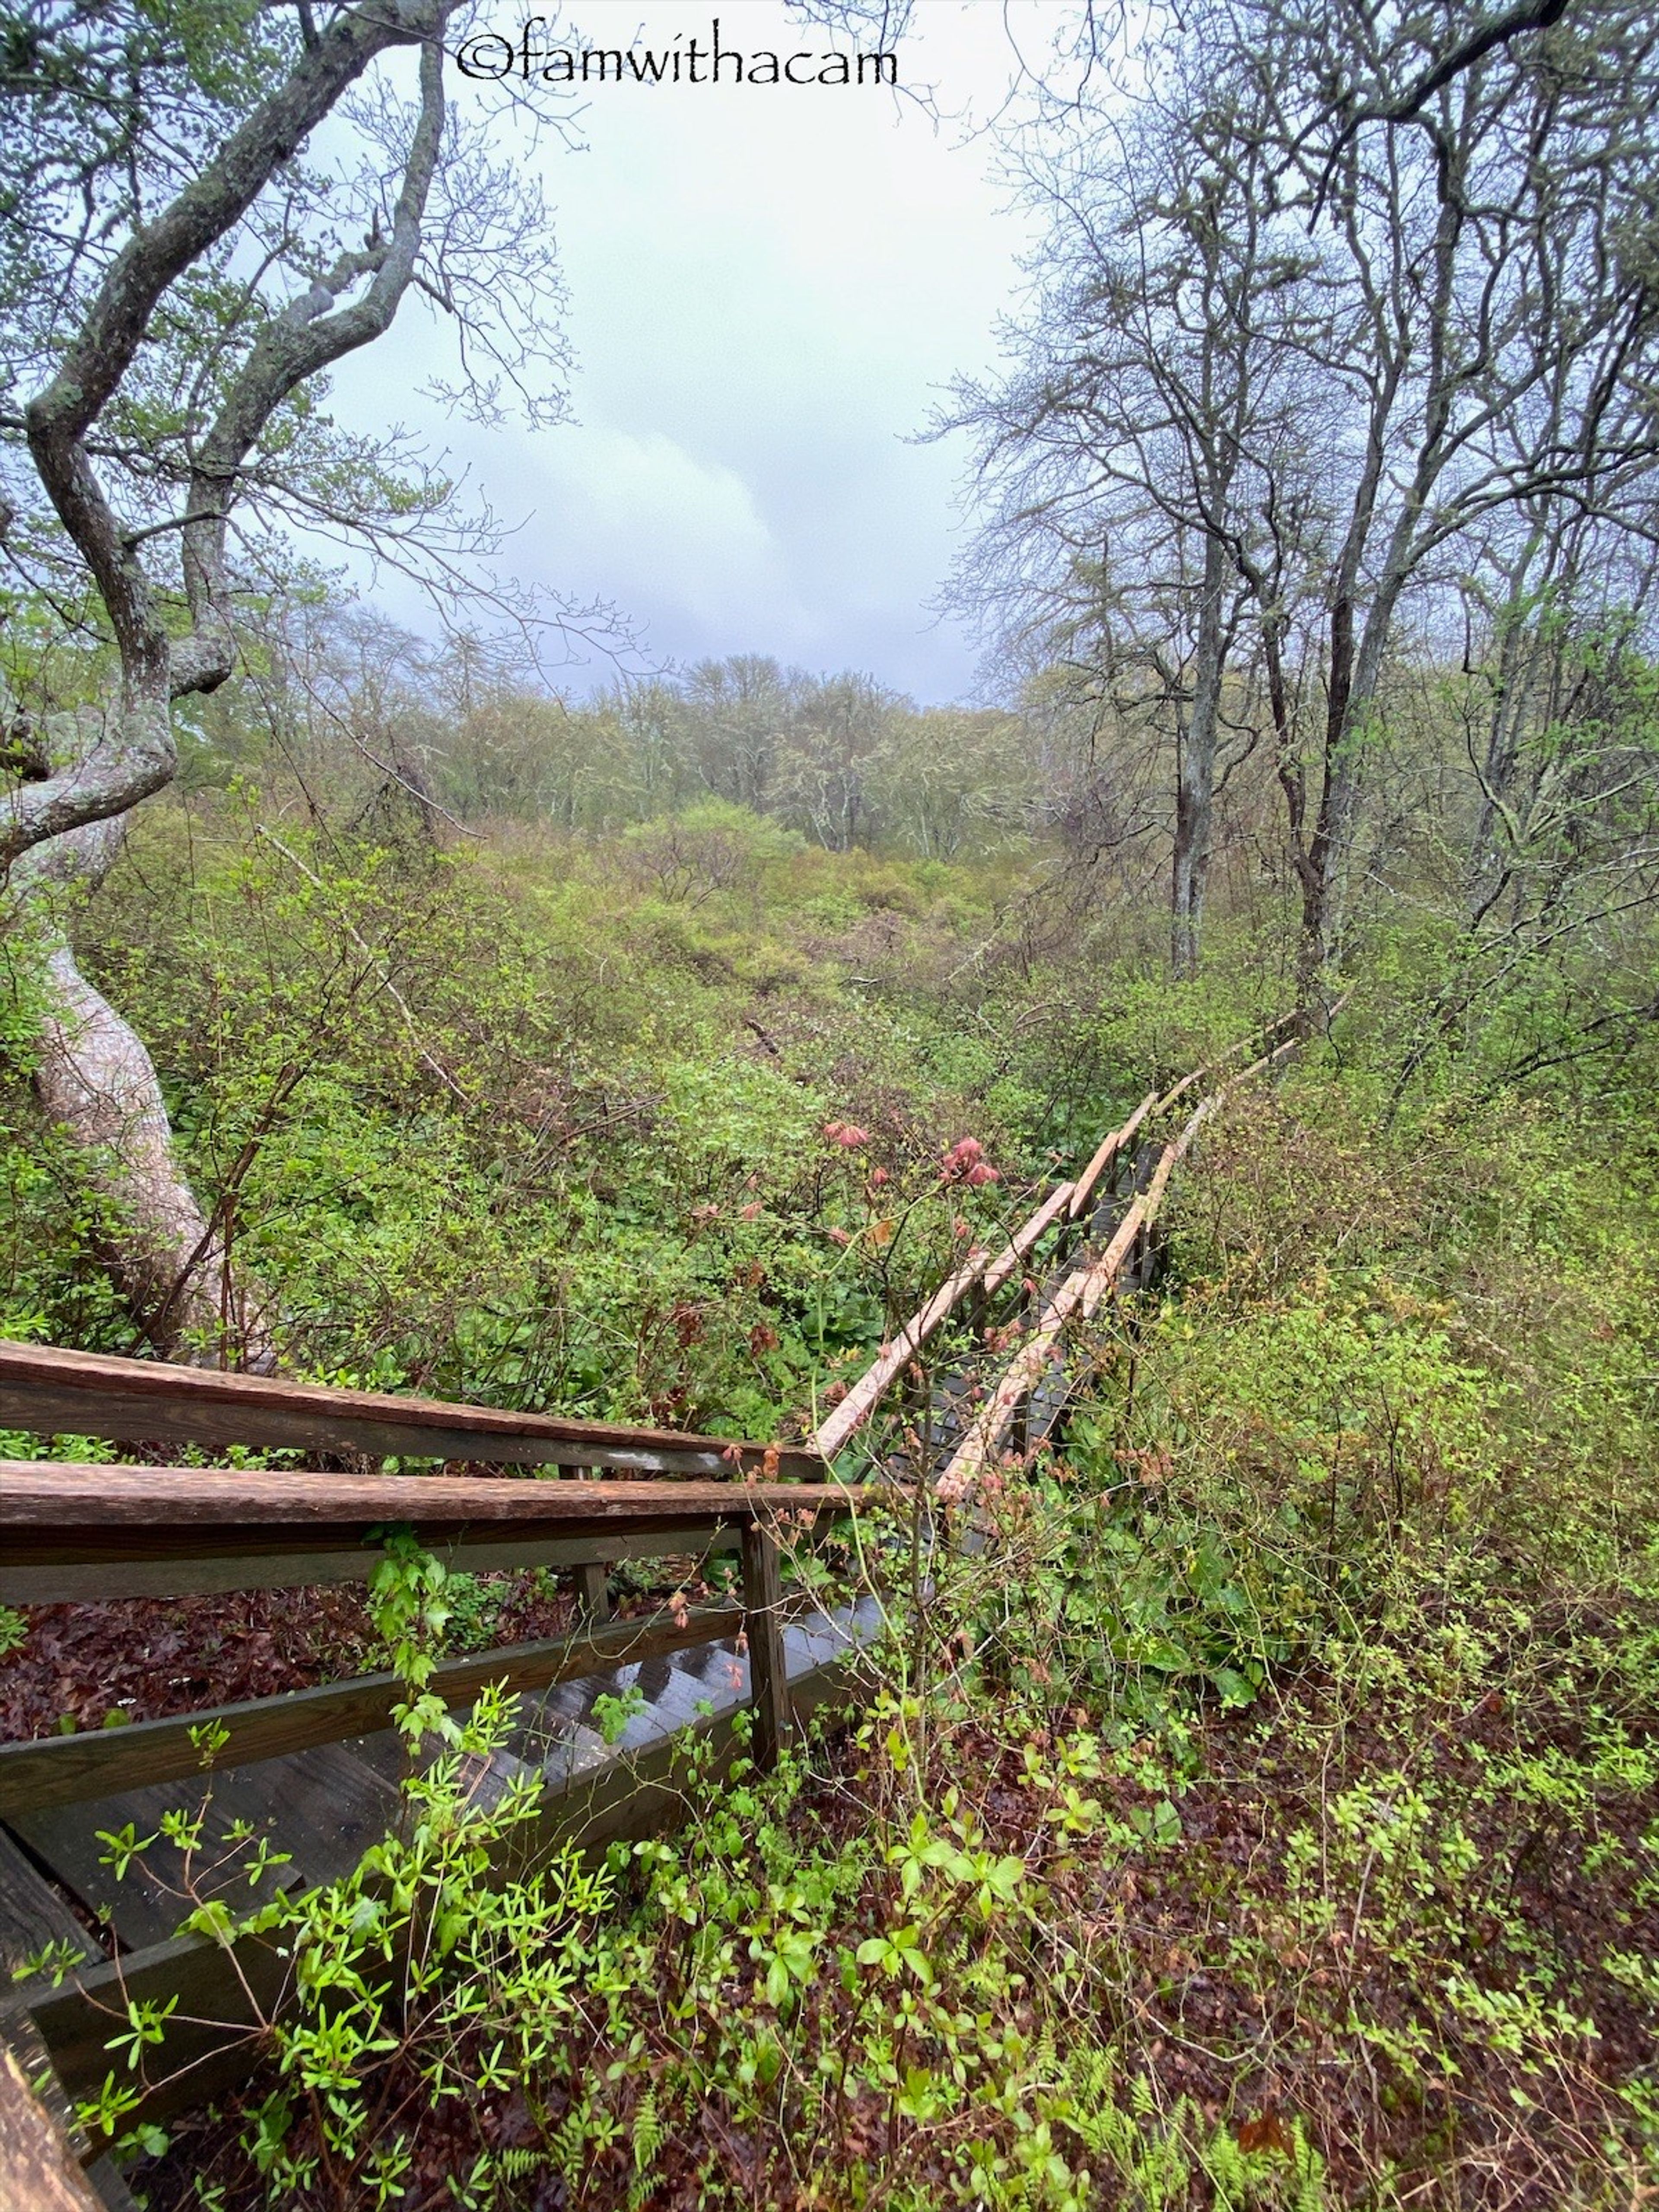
x=321, y=1770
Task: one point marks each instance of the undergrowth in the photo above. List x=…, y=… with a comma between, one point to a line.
x=1261, y=1810
x=1264, y=1811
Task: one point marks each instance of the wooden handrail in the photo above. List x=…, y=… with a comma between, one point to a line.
x=81, y=1532
x=866, y=1393
x=1067, y=1199
x=1083, y=1289
x=1106, y=1157
x=38, y=1496
x=67, y=1770
x=51, y=1392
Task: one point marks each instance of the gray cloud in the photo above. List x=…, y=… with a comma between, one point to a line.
x=766, y=288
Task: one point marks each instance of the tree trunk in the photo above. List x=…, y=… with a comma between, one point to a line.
x=97, y=1082
x=1195, y=774
x=1189, y=866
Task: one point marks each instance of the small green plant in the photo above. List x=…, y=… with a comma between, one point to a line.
x=613, y=1710
x=429, y=1968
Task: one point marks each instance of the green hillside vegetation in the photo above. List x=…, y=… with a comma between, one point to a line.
x=1269, y=1815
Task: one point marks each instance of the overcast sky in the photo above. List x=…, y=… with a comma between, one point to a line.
x=768, y=286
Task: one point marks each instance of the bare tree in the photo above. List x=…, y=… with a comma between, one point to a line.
x=178, y=285
x=1494, y=339
x=1440, y=316
x=737, y=711
x=834, y=738
x=1118, y=464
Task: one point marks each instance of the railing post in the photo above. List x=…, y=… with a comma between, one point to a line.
x=592, y=1578
x=594, y=1593
x=768, y=1669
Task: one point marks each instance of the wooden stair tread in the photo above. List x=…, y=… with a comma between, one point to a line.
x=325, y=1806
x=32, y=1914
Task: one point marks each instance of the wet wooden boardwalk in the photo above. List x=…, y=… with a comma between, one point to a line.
x=326, y=1806
x=324, y=1802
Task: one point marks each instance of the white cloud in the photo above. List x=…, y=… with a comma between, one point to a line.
x=644, y=516
x=768, y=291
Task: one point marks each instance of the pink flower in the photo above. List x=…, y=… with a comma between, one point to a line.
x=877, y=1177
x=838, y=1236
x=965, y=1162
x=751, y=1212
x=846, y=1134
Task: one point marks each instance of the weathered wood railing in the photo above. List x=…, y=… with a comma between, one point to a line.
x=51, y=1392
x=93, y=1532
x=90, y=1532
x=1064, y=1212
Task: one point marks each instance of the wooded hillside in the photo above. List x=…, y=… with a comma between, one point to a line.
x=1236, y=1783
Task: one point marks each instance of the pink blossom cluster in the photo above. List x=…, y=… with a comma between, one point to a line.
x=965, y=1162
x=846, y=1134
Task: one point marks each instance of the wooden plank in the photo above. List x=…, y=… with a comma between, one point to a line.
x=769, y=1674
x=210, y=2044
x=38, y=2172
x=1152, y=1199
x=325, y=1807
x=32, y=1916
x=594, y=1591
x=212, y=2040
x=76, y=1532
x=477, y=1553
x=1110, y=1146
x=1030, y=1363
x=1081, y=1292
x=71, y=1529
x=1069, y=1201
x=1018, y=1249
x=67, y=1770
x=39, y=1496
x=52, y=1392
x=866, y=1393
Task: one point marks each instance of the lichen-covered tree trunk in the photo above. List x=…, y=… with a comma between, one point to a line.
x=96, y=1081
